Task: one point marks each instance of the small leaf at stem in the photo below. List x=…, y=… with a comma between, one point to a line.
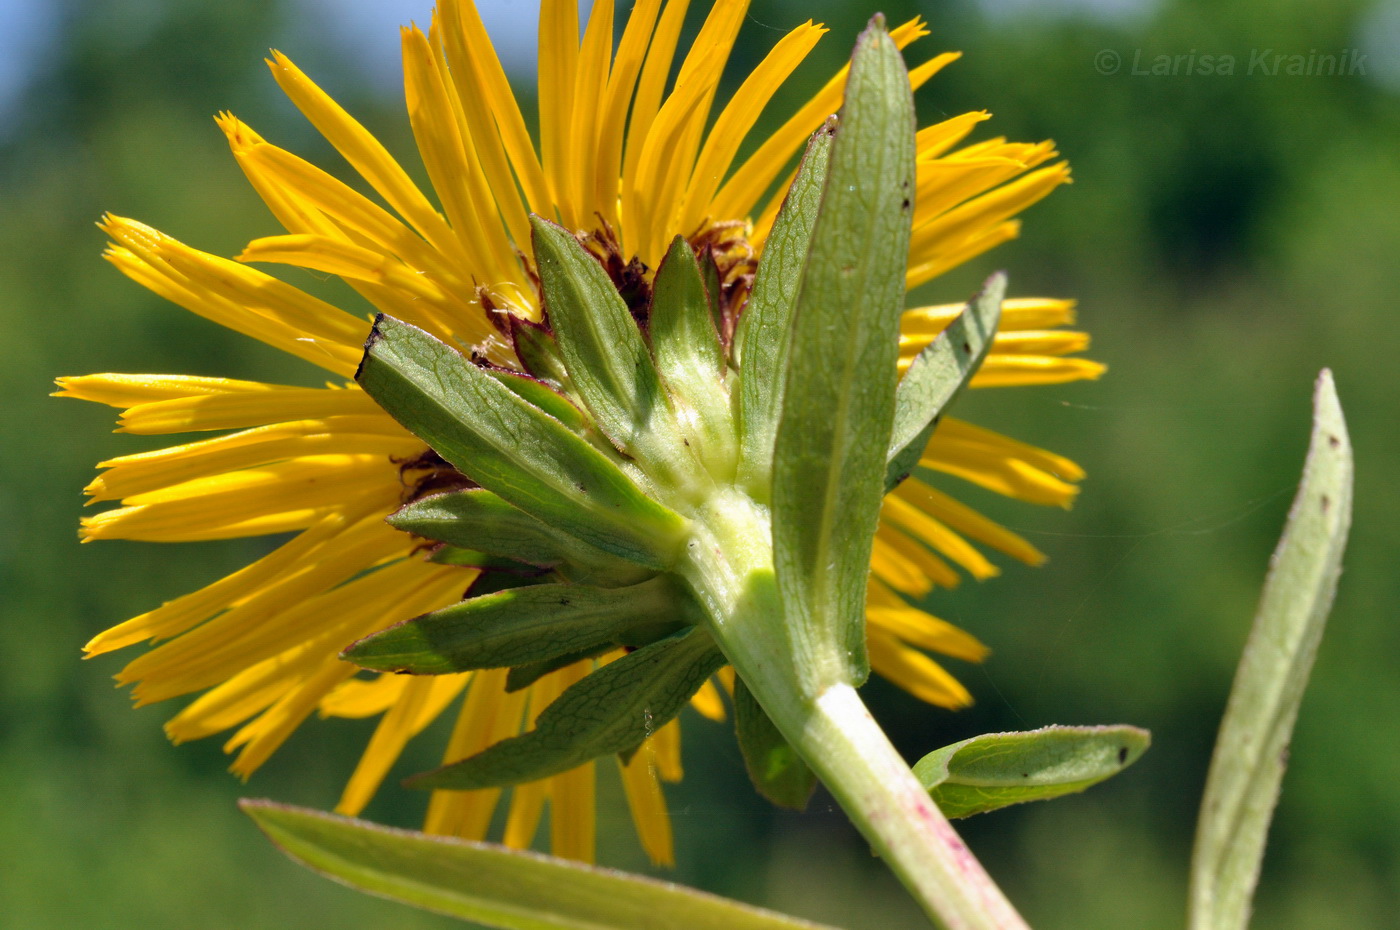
x=1251, y=749
x=611, y=710
x=776, y=769
x=508, y=889
x=838, y=402
x=764, y=333
x=511, y=447
x=937, y=375
x=519, y=626
x=606, y=356
x=996, y=770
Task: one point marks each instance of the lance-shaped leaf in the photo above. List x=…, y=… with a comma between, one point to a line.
x=1251, y=750
x=936, y=376
x=996, y=770
x=764, y=334
x=482, y=521
x=612, y=710
x=689, y=356
x=519, y=626
x=838, y=404
x=494, y=886
x=510, y=447
x=775, y=768
x=607, y=358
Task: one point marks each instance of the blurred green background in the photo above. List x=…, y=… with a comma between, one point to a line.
x=1226, y=235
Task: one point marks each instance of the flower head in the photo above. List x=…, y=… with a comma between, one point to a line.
x=627, y=160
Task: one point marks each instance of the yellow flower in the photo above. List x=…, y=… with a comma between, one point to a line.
x=624, y=162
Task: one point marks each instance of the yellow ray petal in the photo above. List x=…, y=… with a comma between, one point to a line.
x=933, y=568
x=488, y=715
x=968, y=522
x=737, y=119
x=494, y=122
x=647, y=804
x=130, y=475
x=364, y=153
x=526, y=811
x=740, y=194
x=926, y=631
x=558, y=73
x=939, y=537
x=299, y=485
x=890, y=566
x=295, y=608
x=1023, y=370
x=175, y=617
x=419, y=704
x=120, y=390
x=650, y=91
x=589, y=86
x=444, y=140
x=622, y=81
x=1020, y=313
x=708, y=702
x=915, y=672
x=243, y=409
x=358, y=698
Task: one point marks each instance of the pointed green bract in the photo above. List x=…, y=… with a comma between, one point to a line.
x=1251, y=749
x=996, y=770
x=763, y=336
x=538, y=352
x=511, y=447
x=936, y=376
x=610, y=711
x=709, y=271
x=541, y=395
x=777, y=771
x=690, y=358
x=494, y=886
x=838, y=403
x=606, y=356
x=482, y=521
x=520, y=626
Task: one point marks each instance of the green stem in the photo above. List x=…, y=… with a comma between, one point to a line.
x=730, y=568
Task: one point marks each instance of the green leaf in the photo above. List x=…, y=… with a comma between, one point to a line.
x=776, y=769
x=511, y=447
x=494, y=886
x=482, y=521
x=763, y=336
x=519, y=626
x=936, y=376
x=611, y=710
x=690, y=358
x=838, y=403
x=996, y=770
x=1251, y=750
x=604, y=351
